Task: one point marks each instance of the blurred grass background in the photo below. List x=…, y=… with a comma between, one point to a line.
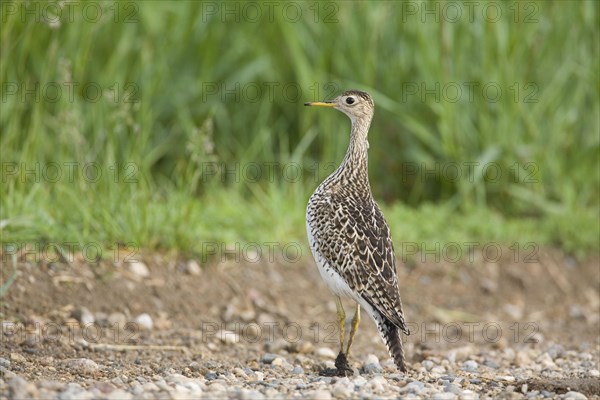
x=199, y=118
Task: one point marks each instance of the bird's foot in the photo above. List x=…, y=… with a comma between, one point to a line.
x=342, y=368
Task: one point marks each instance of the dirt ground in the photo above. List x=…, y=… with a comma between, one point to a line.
x=231, y=313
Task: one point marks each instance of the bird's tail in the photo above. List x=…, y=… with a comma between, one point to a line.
x=391, y=336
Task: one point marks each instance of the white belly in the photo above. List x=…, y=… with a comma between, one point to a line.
x=332, y=279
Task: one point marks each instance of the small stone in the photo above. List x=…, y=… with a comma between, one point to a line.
x=83, y=316
x=468, y=395
x=117, y=320
x=268, y=358
x=75, y=392
x=193, y=268
x=228, y=337
x=470, y=366
x=18, y=358
x=452, y=388
x=83, y=366
x=150, y=387
x=194, y=366
x=101, y=318
x=506, y=378
x=216, y=387
x=522, y=359
x=144, y=321
x=438, y=370
x=118, y=394
x=247, y=394
x=46, y=361
x=274, y=346
x=414, y=387
x=427, y=364
x=278, y=362
x=443, y=396
x=460, y=353
x=575, y=396
x=325, y=352
x=593, y=373
x=371, y=365
x=546, y=361
x=210, y=376
x=378, y=384
x=303, y=347
x=359, y=381
x=298, y=370
x=555, y=351
x=342, y=389
x=19, y=388
x=4, y=363
x=319, y=394
x=139, y=270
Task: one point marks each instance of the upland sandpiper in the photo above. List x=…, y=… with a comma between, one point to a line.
x=350, y=239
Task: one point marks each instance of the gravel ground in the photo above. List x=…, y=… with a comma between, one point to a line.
x=529, y=373
x=165, y=328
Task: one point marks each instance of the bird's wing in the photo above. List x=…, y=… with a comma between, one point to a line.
x=364, y=256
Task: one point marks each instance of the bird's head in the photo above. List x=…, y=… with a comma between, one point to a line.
x=354, y=103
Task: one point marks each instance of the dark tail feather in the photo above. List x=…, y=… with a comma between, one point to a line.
x=391, y=335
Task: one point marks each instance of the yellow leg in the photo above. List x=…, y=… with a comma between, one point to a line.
x=355, y=322
x=341, y=321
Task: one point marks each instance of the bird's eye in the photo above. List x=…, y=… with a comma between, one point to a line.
x=349, y=100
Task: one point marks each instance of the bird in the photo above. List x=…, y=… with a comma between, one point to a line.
x=350, y=239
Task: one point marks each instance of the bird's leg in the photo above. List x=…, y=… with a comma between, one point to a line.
x=341, y=314
x=341, y=362
x=355, y=322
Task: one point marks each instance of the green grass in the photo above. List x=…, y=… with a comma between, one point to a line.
x=159, y=129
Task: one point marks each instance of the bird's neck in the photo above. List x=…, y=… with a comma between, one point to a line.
x=354, y=168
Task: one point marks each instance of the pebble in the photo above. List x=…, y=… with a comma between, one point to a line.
x=278, y=362
x=452, y=388
x=326, y=352
x=268, y=358
x=371, y=364
x=427, y=364
x=193, y=268
x=468, y=395
x=378, y=384
x=546, y=361
x=575, y=396
x=117, y=319
x=228, y=337
x=83, y=366
x=320, y=394
x=139, y=270
x=144, y=321
x=298, y=371
x=414, y=387
x=4, y=363
x=443, y=396
x=83, y=316
x=18, y=358
x=118, y=394
x=21, y=389
x=342, y=389
x=470, y=366
x=75, y=392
